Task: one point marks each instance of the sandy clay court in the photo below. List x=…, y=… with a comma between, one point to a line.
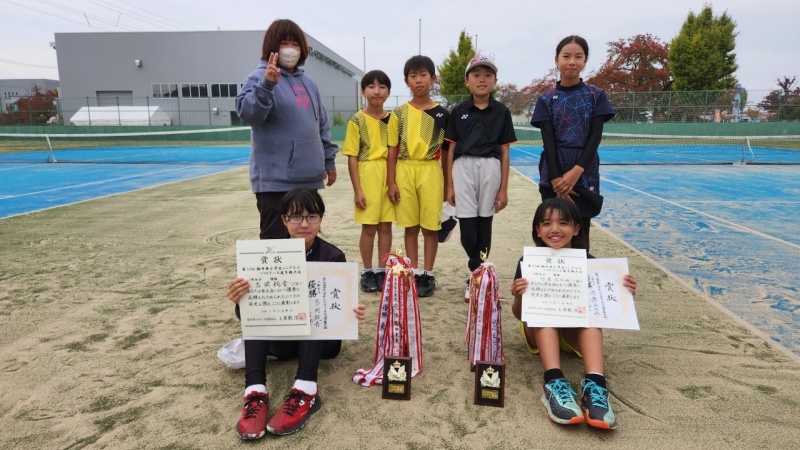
x=112, y=311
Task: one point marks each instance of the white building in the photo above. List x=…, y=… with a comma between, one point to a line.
x=12, y=90
x=191, y=76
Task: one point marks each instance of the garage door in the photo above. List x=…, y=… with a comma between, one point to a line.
x=114, y=98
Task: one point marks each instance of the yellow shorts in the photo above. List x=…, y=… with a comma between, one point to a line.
x=563, y=344
x=372, y=176
x=421, y=186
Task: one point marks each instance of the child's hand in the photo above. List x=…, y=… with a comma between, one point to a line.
x=237, y=289
x=629, y=283
x=394, y=194
x=519, y=286
x=361, y=201
x=360, y=311
x=500, y=201
x=450, y=196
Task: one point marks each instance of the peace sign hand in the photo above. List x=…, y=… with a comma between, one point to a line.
x=273, y=73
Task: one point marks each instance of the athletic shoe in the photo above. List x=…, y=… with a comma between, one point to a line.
x=596, y=407
x=426, y=284
x=294, y=413
x=558, y=398
x=253, y=423
x=368, y=282
x=380, y=280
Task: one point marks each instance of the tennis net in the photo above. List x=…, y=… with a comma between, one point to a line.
x=230, y=145
x=620, y=149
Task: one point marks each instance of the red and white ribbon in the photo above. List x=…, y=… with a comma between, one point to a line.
x=484, y=330
x=399, y=330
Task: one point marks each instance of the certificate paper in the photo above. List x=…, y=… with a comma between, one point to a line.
x=332, y=293
x=557, y=291
x=277, y=304
x=552, y=299
x=610, y=303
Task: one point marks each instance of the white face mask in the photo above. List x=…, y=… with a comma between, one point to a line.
x=288, y=57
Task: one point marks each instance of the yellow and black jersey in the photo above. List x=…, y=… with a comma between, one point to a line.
x=368, y=137
x=420, y=134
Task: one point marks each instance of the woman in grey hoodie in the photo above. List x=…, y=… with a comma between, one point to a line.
x=290, y=130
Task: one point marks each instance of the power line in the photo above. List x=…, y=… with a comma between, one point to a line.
x=156, y=15
x=134, y=16
x=20, y=63
x=54, y=15
x=86, y=15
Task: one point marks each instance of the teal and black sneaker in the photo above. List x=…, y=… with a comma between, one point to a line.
x=596, y=407
x=559, y=400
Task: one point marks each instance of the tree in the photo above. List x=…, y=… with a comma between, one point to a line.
x=543, y=84
x=638, y=63
x=783, y=103
x=522, y=101
x=701, y=56
x=451, y=72
x=509, y=95
x=35, y=109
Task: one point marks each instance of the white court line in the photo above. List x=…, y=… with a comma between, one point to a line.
x=727, y=222
x=92, y=183
x=119, y=193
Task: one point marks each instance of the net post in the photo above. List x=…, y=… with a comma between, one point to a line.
x=50, y=156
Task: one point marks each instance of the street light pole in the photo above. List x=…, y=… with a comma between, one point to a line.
x=420, y=36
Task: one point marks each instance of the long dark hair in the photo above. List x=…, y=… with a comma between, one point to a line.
x=279, y=30
x=576, y=39
x=298, y=200
x=566, y=210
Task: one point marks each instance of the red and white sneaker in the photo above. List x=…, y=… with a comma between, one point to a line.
x=294, y=413
x=253, y=423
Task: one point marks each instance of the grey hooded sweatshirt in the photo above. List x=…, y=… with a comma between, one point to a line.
x=290, y=144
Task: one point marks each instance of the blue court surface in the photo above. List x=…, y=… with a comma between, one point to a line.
x=27, y=187
x=729, y=231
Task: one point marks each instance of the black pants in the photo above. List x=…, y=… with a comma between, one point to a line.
x=269, y=208
x=476, y=237
x=586, y=222
x=308, y=354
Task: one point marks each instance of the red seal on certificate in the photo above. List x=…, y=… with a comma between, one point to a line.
x=301, y=316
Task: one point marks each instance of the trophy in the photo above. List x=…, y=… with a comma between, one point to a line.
x=398, y=343
x=397, y=378
x=484, y=335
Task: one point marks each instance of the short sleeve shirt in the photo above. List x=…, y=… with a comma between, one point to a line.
x=480, y=132
x=571, y=110
x=419, y=134
x=367, y=138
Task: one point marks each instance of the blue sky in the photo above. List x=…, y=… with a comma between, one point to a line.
x=522, y=34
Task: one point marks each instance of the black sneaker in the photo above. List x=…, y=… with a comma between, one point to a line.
x=596, y=408
x=380, y=279
x=368, y=283
x=426, y=284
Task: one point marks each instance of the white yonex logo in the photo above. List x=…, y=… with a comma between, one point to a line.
x=555, y=97
x=439, y=114
x=464, y=116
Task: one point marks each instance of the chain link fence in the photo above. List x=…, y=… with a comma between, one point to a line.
x=631, y=107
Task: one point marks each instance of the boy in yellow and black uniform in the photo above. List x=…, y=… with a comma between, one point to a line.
x=366, y=148
x=415, y=174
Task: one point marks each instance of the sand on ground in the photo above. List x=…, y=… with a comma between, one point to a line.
x=112, y=311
